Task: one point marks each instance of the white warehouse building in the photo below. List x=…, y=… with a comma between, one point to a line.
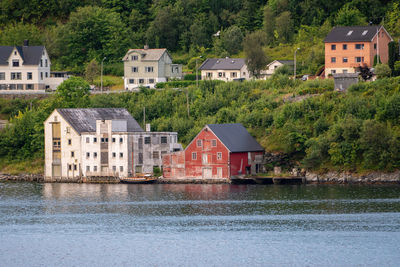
x=101, y=142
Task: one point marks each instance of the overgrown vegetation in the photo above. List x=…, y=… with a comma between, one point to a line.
x=315, y=126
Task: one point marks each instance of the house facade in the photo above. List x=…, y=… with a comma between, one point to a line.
x=347, y=48
x=274, y=65
x=101, y=142
x=147, y=67
x=26, y=68
x=224, y=69
x=219, y=151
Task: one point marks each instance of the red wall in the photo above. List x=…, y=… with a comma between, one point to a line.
x=239, y=161
x=194, y=168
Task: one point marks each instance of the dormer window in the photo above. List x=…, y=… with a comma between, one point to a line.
x=349, y=33
x=365, y=32
x=15, y=63
x=135, y=58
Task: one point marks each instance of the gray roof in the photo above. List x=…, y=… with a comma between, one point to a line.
x=235, y=137
x=222, y=64
x=153, y=54
x=352, y=34
x=286, y=62
x=31, y=55
x=84, y=119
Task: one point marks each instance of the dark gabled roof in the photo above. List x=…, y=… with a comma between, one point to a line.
x=84, y=119
x=352, y=34
x=31, y=55
x=222, y=64
x=235, y=137
x=286, y=62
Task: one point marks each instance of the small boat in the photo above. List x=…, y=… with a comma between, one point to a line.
x=139, y=179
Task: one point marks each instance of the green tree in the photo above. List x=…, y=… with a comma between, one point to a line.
x=93, y=32
x=393, y=55
x=256, y=59
x=232, y=39
x=92, y=70
x=74, y=93
x=284, y=27
x=269, y=25
x=382, y=70
x=15, y=34
x=348, y=16
x=392, y=20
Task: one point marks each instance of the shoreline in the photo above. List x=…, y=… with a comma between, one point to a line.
x=309, y=178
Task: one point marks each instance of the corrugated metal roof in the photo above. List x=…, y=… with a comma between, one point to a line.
x=84, y=119
x=222, y=64
x=235, y=137
x=352, y=34
x=31, y=55
x=149, y=54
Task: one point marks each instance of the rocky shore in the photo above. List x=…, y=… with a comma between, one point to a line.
x=309, y=178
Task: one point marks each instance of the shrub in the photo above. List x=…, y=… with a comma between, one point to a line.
x=382, y=70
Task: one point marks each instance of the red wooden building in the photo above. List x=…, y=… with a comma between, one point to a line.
x=218, y=151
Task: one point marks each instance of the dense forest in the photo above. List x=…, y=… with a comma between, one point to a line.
x=76, y=32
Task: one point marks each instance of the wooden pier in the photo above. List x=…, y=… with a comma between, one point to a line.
x=269, y=180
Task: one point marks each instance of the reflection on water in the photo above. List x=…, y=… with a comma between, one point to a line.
x=229, y=225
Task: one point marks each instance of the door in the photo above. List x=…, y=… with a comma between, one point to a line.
x=219, y=172
x=207, y=173
x=56, y=171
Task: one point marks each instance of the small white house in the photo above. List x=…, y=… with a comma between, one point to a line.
x=147, y=67
x=224, y=69
x=273, y=66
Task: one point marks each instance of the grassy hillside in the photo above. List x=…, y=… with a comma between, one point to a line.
x=316, y=127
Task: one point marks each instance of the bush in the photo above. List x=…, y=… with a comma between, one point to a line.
x=192, y=76
x=382, y=70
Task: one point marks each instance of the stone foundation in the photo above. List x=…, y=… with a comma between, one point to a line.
x=345, y=177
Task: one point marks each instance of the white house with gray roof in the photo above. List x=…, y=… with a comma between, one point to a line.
x=26, y=68
x=224, y=69
x=147, y=67
x=101, y=142
x=273, y=66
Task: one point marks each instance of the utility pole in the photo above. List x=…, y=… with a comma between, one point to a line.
x=101, y=76
x=294, y=71
x=197, y=79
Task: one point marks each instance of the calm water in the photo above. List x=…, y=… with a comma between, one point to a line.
x=198, y=225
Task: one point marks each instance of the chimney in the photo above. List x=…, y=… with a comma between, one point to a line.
x=26, y=42
x=148, y=127
x=146, y=47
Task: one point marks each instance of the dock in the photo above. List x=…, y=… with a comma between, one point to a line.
x=268, y=180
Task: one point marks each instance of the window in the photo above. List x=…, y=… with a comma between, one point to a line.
x=135, y=69
x=333, y=59
x=13, y=87
x=209, y=74
x=199, y=143
x=141, y=80
x=113, y=139
x=69, y=141
x=114, y=168
x=121, y=140
x=121, y=168
x=349, y=33
x=87, y=140
x=151, y=80
x=15, y=75
x=344, y=71
x=20, y=86
x=359, y=59
x=134, y=58
x=95, y=168
x=94, y=139
x=72, y=154
x=333, y=71
x=114, y=154
x=29, y=75
x=345, y=47
x=68, y=130
x=219, y=155
x=121, y=155
x=74, y=167
x=194, y=155
x=375, y=46
x=214, y=143
x=29, y=86
x=219, y=74
x=233, y=74
x=45, y=62
x=95, y=154
x=359, y=46
x=345, y=60
x=333, y=47
x=148, y=69
x=70, y=167
x=41, y=75
x=88, y=168
x=3, y=86
x=15, y=63
x=104, y=140
x=155, y=155
x=46, y=74
x=147, y=140
x=87, y=154
x=131, y=81
x=2, y=75
x=205, y=158
x=41, y=63
x=365, y=32
x=164, y=140
x=140, y=158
